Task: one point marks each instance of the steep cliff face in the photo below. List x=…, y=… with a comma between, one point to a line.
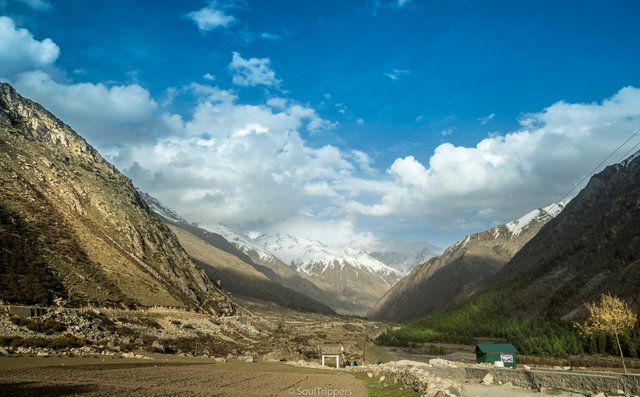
x=592, y=247
x=462, y=269
x=73, y=227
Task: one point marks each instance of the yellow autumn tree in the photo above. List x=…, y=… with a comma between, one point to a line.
x=610, y=316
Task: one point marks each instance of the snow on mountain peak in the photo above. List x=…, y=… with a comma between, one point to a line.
x=542, y=214
x=157, y=207
x=303, y=254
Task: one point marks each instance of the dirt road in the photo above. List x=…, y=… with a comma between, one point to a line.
x=197, y=377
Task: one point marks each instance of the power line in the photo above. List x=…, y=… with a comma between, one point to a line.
x=624, y=156
x=598, y=166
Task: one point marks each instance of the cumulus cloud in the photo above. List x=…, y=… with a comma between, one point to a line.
x=20, y=51
x=504, y=176
x=103, y=114
x=211, y=17
x=245, y=165
x=337, y=232
x=251, y=72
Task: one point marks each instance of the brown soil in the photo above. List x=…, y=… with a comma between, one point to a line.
x=53, y=376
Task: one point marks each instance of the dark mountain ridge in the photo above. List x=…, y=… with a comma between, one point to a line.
x=74, y=228
x=592, y=247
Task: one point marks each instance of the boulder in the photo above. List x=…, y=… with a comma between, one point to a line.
x=157, y=346
x=4, y=352
x=487, y=380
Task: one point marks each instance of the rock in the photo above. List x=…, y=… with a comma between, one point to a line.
x=601, y=394
x=4, y=352
x=129, y=355
x=111, y=345
x=382, y=378
x=220, y=360
x=527, y=368
x=42, y=353
x=157, y=346
x=487, y=380
x=370, y=375
x=138, y=342
x=229, y=356
x=439, y=393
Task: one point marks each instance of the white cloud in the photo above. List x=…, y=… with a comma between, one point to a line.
x=395, y=74
x=245, y=165
x=338, y=232
x=253, y=71
x=486, y=119
x=102, y=114
x=20, y=51
x=362, y=159
x=507, y=175
x=211, y=18
x=209, y=77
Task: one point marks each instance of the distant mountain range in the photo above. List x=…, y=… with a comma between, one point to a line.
x=348, y=280
x=461, y=270
x=74, y=230
x=352, y=275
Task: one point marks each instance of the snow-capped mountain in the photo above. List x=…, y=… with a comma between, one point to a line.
x=462, y=268
x=242, y=242
x=350, y=274
x=157, y=207
x=306, y=255
x=541, y=215
x=348, y=280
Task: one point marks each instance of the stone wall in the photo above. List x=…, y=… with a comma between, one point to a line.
x=442, y=375
x=609, y=383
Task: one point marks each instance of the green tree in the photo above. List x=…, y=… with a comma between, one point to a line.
x=611, y=316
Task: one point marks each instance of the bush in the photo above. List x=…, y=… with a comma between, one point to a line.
x=47, y=327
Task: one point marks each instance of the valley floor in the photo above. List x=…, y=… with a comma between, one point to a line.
x=167, y=375
x=93, y=377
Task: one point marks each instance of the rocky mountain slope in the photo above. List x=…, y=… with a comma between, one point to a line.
x=238, y=274
x=73, y=227
x=347, y=280
x=241, y=251
x=350, y=275
x=462, y=269
x=592, y=247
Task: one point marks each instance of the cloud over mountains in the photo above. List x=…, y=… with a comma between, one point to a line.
x=256, y=165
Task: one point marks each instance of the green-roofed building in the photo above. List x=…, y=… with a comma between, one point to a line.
x=492, y=352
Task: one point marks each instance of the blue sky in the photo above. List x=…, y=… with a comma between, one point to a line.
x=353, y=122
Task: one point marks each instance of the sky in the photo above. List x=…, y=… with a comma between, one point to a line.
x=355, y=123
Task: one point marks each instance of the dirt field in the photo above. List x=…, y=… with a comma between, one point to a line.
x=185, y=377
